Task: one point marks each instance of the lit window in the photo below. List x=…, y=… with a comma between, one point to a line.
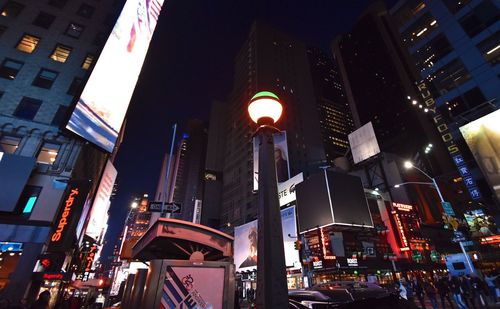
x=27, y=108
x=10, y=68
x=74, y=30
x=12, y=9
x=61, y=53
x=28, y=43
x=89, y=59
x=9, y=144
x=28, y=198
x=44, y=20
x=48, y=153
x=45, y=78
x=490, y=48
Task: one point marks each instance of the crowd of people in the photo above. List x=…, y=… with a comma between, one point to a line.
x=461, y=292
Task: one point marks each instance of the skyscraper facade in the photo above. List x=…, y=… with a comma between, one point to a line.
x=455, y=47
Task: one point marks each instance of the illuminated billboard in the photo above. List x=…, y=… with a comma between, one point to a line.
x=280, y=157
x=363, y=143
x=245, y=242
x=479, y=223
x=101, y=108
x=99, y=211
x=483, y=138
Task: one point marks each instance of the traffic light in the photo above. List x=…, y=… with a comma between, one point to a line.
x=297, y=244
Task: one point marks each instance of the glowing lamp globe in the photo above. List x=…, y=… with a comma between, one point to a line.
x=265, y=104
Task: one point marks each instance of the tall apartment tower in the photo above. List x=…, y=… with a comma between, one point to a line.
x=275, y=61
x=334, y=113
x=46, y=50
x=455, y=47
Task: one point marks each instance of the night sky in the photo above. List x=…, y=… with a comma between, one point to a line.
x=190, y=63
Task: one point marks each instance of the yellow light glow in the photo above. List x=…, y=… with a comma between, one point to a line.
x=421, y=32
x=265, y=107
x=408, y=164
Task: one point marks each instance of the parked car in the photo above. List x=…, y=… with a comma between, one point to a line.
x=321, y=298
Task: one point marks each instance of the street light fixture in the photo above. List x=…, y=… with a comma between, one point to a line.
x=272, y=292
x=408, y=165
x=134, y=205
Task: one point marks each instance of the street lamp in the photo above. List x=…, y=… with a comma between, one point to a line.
x=265, y=109
x=408, y=165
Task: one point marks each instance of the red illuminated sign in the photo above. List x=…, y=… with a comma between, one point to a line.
x=64, y=216
x=402, y=207
x=401, y=232
x=45, y=263
x=52, y=276
x=495, y=239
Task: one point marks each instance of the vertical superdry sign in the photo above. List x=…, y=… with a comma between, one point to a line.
x=447, y=138
x=63, y=233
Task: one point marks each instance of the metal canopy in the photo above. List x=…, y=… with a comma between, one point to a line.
x=178, y=239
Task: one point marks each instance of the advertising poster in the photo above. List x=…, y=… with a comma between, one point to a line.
x=99, y=210
x=245, y=242
x=479, y=223
x=286, y=189
x=363, y=143
x=101, y=108
x=193, y=287
x=280, y=156
x=483, y=138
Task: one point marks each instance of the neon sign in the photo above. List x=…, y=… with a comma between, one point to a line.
x=52, y=276
x=403, y=207
x=64, y=216
x=401, y=232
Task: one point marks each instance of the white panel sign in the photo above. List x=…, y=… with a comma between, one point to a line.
x=363, y=143
x=286, y=189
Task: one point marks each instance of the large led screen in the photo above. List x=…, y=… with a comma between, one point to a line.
x=483, y=138
x=101, y=108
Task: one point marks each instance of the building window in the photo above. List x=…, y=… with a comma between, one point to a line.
x=74, y=30
x=461, y=104
x=426, y=56
x=87, y=62
x=28, y=43
x=12, y=9
x=10, y=68
x=75, y=87
x=9, y=144
x=27, y=108
x=490, y=48
x=60, y=116
x=2, y=29
x=449, y=77
x=85, y=10
x=44, y=20
x=48, y=153
x=61, y=53
x=28, y=198
x=58, y=3
x=455, y=5
x=99, y=39
x=479, y=18
x=419, y=29
x=407, y=11
x=45, y=78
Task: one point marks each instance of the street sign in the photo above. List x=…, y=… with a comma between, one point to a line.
x=173, y=208
x=458, y=236
x=448, y=209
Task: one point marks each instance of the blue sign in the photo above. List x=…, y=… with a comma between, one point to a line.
x=458, y=159
x=11, y=246
x=463, y=170
x=469, y=182
x=448, y=209
x=474, y=193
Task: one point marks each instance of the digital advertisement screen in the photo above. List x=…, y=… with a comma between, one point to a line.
x=245, y=242
x=483, y=138
x=479, y=223
x=101, y=108
x=193, y=287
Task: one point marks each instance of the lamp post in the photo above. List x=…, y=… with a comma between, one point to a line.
x=409, y=165
x=272, y=292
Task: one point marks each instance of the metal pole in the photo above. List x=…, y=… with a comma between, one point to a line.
x=437, y=189
x=167, y=174
x=272, y=289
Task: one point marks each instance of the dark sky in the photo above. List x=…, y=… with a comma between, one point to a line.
x=190, y=63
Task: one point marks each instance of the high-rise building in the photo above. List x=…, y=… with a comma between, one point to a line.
x=314, y=117
x=455, y=47
x=185, y=183
x=47, y=50
x=334, y=114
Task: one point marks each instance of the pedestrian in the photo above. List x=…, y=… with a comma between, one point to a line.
x=492, y=289
x=478, y=292
x=402, y=289
x=466, y=291
x=443, y=288
x=430, y=291
x=418, y=290
x=42, y=302
x=457, y=292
